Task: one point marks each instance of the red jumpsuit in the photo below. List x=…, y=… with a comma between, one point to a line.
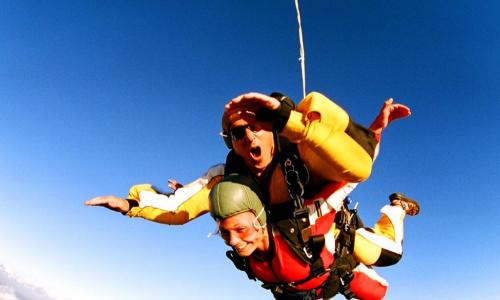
x=285, y=267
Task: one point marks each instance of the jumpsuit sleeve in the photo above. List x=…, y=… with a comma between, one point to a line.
x=318, y=127
x=148, y=195
x=187, y=203
x=195, y=206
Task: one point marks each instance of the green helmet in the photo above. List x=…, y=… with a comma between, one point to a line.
x=236, y=194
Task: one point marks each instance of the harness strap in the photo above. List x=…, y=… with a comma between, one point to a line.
x=316, y=245
x=284, y=295
x=296, y=177
x=240, y=263
x=340, y=278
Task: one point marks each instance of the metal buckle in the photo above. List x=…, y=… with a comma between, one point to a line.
x=306, y=234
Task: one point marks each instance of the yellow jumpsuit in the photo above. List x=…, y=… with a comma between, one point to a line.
x=318, y=128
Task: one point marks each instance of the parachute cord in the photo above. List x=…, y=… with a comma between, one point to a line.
x=302, y=57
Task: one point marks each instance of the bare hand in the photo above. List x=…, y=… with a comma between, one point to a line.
x=173, y=184
x=388, y=113
x=111, y=202
x=252, y=102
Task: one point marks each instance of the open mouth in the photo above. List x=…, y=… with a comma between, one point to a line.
x=255, y=152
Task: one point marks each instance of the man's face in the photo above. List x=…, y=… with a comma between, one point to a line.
x=253, y=142
x=239, y=232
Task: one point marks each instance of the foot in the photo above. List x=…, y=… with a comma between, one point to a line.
x=410, y=206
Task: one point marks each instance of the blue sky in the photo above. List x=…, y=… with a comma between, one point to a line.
x=99, y=95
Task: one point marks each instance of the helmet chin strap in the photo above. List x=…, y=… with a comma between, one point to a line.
x=256, y=222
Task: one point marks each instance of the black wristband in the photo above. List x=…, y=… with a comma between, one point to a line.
x=131, y=204
x=279, y=117
x=284, y=112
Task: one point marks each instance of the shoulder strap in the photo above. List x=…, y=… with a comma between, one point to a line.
x=240, y=263
x=294, y=171
x=310, y=251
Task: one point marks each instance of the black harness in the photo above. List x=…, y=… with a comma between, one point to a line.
x=292, y=220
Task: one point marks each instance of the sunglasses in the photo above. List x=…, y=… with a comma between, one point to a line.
x=238, y=132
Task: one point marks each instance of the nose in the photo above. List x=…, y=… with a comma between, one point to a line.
x=249, y=134
x=233, y=239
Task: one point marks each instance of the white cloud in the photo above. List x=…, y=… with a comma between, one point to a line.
x=7, y=293
x=13, y=287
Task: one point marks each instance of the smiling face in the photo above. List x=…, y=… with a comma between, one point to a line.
x=254, y=142
x=239, y=231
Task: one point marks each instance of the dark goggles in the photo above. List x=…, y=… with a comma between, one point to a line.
x=238, y=132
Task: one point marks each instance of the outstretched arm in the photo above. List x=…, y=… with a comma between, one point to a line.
x=143, y=200
x=111, y=202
